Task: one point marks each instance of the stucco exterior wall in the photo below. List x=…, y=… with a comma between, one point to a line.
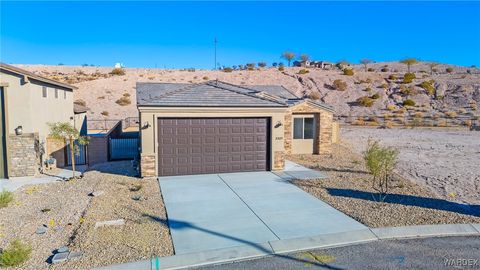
x=27, y=107
x=149, y=139
x=323, y=124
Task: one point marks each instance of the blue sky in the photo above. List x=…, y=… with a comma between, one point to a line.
x=181, y=34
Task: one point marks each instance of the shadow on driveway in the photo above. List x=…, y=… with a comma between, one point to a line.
x=179, y=225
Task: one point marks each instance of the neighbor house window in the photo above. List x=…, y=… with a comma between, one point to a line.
x=56, y=93
x=303, y=128
x=44, y=91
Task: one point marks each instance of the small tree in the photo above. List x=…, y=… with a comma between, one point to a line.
x=365, y=62
x=288, y=56
x=304, y=57
x=262, y=64
x=409, y=62
x=68, y=133
x=380, y=162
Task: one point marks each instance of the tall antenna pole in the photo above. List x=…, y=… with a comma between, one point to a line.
x=215, y=41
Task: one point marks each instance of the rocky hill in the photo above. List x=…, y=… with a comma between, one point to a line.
x=445, y=91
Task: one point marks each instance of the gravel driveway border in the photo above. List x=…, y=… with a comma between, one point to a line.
x=282, y=246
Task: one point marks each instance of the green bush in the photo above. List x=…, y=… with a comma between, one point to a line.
x=365, y=101
x=368, y=89
x=15, y=254
x=340, y=85
x=428, y=87
x=449, y=70
x=409, y=77
x=392, y=77
x=348, y=72
x=5, y=198
x=227, y=69
x=408, y=102
x=375, y=96
x=118, y=71
x=303, y=71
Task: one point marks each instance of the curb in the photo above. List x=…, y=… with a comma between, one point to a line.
x=278, y=247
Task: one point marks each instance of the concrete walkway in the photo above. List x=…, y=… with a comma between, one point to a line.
x=15, y=183
x=216, y=211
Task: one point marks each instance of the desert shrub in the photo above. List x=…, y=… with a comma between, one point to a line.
x=391, y=107
x=365, y=101
x=340, y=85
x=118, y=71
x=358, y=122
x=101, y=97
x=408, y=90
x=392, y=77
x=408, y=102
x=380, y=162
x=449, y=70
x=281, y=68
x=409, y=77
x=428, y=87
x=80, y=102
x=348, y=72
x=123, y=101
x=262, y=64
x=474, y=107
x=384, y=86
x=370, y=69
x=15, y=254
x=384, y=69
x=5, y=198
x=126, y=94
x=151, y=77
x=105, y=113
x=467, y=123
x=205, y=78
x=314, y=95
x=136, y=187
x=418, y=115
x=303, y=71
x=450, y=114
x=375, y=96
x=368, y=89
x=227, y=69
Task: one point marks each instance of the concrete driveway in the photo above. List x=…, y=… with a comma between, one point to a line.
x=214, y=211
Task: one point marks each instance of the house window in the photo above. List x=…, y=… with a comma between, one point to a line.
x=44, y=91
x=56, y=93
x=303, y=128
x=64, y=94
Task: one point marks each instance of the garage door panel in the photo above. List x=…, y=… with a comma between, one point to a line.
x=212, y=145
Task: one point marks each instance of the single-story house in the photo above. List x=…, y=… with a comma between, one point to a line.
x=215, y=127
x=28, y=102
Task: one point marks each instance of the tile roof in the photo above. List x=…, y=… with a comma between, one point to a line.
x=217, y=94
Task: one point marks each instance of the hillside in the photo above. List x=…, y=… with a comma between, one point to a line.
x=453, y=93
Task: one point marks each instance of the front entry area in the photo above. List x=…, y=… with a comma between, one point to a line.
x=212, y=145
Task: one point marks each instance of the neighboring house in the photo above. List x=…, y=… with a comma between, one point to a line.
x=217, y=127
x=80, y=118
x=314, y=64
x=28, y=103
x=301, y=63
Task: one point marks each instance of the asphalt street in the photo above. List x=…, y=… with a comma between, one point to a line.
x=427, y=253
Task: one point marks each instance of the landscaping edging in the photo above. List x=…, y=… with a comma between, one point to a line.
x=280, y=247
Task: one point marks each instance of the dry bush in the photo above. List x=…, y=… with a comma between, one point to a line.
x=462, y=111
x=314, y=95
x=205, y=78
x=365, y=101
x=392, y=77
x=126, y=95
x=391, y=107
x=303, y=71
x=105, y=113
x=408, y=102
x=418, y=115
x=358, y=122
x=340, y=85
x=428, y=87
x=281, y=68
x=118, y=71
x=227, y=69
x=101, y=97
x=80, y=102
x=348, y=72
x=151, y=77
x=450, y=114
x=123, y=101
x=409, y=77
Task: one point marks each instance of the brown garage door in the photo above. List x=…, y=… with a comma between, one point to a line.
x=212, y=145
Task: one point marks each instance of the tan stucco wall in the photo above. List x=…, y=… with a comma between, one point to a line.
x=28, y=108
x=149, y=140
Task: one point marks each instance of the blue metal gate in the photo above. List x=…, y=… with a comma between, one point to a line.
x=123, y=148
x=80, y=155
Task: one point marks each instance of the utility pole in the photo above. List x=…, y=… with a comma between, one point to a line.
x=215, y=41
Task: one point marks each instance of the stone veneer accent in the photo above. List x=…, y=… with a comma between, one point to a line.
x=323, y=144
x=279, y=160
x=147, y=165
x=22, y=154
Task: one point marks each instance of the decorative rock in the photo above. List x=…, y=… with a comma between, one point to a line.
x=41, y=230
x=136, y=198
x=75, y=254
x=62, y=249
x=60, y=257
x=97, y=193
x=116, y=222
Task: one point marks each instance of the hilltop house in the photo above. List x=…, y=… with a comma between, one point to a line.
x=314, y=64
x=215, y=127
x=28, y=102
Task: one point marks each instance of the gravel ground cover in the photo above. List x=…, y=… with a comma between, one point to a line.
x=348, y=188
x=74, y=214
x=446, y=161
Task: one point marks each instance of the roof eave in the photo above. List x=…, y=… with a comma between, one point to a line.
x=33, y=76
